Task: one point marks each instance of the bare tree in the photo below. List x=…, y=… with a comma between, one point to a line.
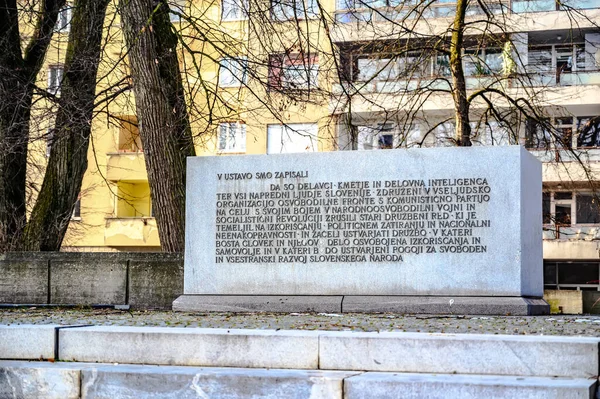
x=18, y=74
x=67, y=164
x=162, y=113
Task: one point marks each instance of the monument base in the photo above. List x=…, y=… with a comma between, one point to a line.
x=498, y=306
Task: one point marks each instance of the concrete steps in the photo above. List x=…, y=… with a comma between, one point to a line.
x=113, y=362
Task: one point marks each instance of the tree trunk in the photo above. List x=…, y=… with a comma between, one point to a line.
x=67, y=164
x=161, y=111
x=18, y=74
x=459, y=89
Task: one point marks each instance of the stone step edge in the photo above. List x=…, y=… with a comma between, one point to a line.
x=299, y=349
x=74, y=380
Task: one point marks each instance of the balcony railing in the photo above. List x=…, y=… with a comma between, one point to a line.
x=472, y=83
x=571, y=232
x=369, y=11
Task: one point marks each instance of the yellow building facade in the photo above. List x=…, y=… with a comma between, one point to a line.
x=264, y=78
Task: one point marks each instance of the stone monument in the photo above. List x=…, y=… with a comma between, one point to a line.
x=437, y=230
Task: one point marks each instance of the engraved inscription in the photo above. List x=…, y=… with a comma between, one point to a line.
x=292, y=220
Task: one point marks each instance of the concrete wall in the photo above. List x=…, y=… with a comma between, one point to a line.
x=142, y=280
x=564, y=301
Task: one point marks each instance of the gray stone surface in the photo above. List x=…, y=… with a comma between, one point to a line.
x=24, y=279
x=510, y=266
x=155, y=283
x=27, y=342
x=29, y=380
x=455, y=324
x=263, y=303
x=446, y=305
x=72, y=282
x=153, y=382
x=84, y=278
x=191, y=347
x=461, y=354
x=440, y=386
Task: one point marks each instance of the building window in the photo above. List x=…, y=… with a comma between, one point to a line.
x=555, y=64
x=546, y=212
x=378, y=137
x=232, y=10
x=232, y=137
x=384, y=68
x=564, y=132
x=293, y=71
x=77, y=210
x=49, y=141
x=296, y=137
x=291, y=10
x=572, y=275
x=538, y=135
x=63, y=22
x=232, y=72
x=129, y=135
x=565, y=208
x=588, y=131
x=483, y=62
x=55, y=77
x=177, y=9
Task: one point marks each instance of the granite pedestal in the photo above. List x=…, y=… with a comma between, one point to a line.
x=439, y=230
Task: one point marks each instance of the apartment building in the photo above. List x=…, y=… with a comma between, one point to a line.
x=310, y=75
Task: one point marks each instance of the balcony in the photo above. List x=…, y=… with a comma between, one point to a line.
x=126, y=232
x=126, y=166
x=357, y=11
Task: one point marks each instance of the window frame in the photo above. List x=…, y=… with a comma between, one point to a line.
x=282, y=63
x=240, y=129
x=55, y=81
x=66, y=13
x=287, y=130
x=229, y=69
x=241, y=8
x=308, y=11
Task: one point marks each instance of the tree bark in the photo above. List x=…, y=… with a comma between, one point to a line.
x=67, y=164
x=18, y=74
x=459, y=89
x=161, y=111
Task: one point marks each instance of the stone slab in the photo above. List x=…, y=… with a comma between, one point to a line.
x=171, y=382
x=74, y=282
x=258, y=303
x=440, y=386
x=515, y=306
x=24, y=280
x=541, y=356
x=191, y=347
x=155, y=283
x=502, y=255
x=24, y=380
x=27, y=342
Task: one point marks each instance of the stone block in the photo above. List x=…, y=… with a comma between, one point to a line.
x=461, y=354
x=564, y=301
x=29, y=380
x=591, y=302
x=446, y=305
x=258, y=303
x=155, y=282
x=24, y=278
x=27, y=342
x=191, y=347
x=150, y=382
x=440, y=386
x=88, y=280
x=346, y=232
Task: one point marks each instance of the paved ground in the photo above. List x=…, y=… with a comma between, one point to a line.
x=531, y=325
